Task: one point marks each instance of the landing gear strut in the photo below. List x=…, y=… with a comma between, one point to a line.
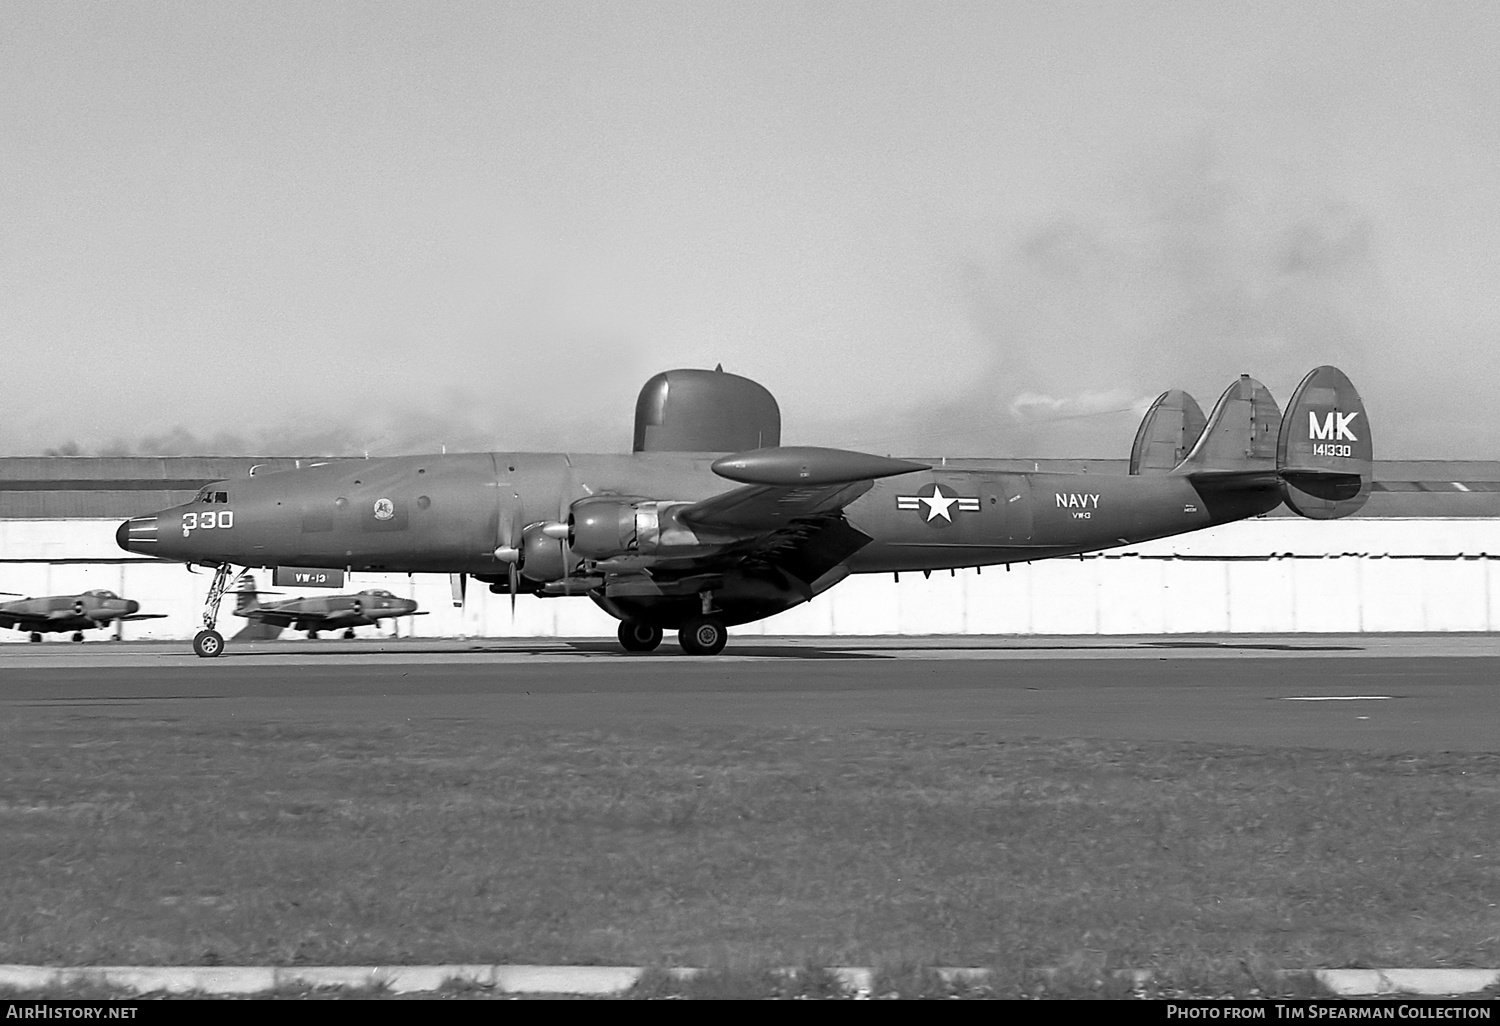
x=702, y=635
x=209, y=643
x=636, y=636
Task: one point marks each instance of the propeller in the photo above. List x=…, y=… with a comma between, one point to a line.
x=559, y=530
x=509, y=552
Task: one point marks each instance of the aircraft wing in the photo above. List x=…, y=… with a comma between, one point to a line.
x=759, y=508
x=268, y=617
x=793, y=501
x=143, y=616
x=787, y=484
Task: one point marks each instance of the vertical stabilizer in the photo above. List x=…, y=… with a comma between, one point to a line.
x=1323, y=451
x=1241, y=433
x=245, y=593
x=1167, y=433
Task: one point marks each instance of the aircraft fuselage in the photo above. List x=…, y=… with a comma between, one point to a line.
x=444, y=513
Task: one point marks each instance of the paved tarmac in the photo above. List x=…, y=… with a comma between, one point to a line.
x=1386, y=693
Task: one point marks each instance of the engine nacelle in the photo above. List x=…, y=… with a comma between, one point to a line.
x=542, y=558
x=606, y=527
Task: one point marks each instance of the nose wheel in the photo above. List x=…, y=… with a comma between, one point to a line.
x=636, y=636
x=208, y=644
x=702, y=635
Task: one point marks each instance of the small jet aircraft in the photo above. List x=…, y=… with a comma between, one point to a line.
x=325, y=613
x=53, y=614
x=710, y=521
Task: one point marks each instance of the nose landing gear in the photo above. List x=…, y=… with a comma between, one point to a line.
x=209, y=643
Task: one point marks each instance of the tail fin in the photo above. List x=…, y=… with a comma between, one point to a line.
x=1167, y=433
x=1323, y=451
x=244, y=589
x=1240, y=439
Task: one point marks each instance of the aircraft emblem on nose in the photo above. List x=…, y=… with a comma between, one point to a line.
x=938, y=505
x=384, y=509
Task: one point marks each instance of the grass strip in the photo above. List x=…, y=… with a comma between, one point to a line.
x=196, y=841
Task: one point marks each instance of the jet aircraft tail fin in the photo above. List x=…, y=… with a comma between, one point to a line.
x=1167, y=433
x=246, y=597
x=1323, y=450
x=1239, y=440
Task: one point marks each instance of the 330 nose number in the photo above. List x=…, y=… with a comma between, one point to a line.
x=215, y=519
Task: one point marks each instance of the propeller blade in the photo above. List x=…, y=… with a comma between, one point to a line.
x=509, y=553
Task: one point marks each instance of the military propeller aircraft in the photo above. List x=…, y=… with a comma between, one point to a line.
x=711, y=522
x=54, y=614
x=324, y=613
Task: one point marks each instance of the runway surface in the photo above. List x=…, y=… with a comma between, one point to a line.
x=1404, y=693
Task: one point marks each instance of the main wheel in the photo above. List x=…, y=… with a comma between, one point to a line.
x=702, y=635
x=78, y=635
x=208, y=644
x=36, y=635
x=349, y=634
x=636, y=636
x=312, y=635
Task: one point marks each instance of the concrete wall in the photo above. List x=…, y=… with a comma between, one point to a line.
x=1273, y=574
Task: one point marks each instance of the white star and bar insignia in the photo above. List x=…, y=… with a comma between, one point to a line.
x=938, y=504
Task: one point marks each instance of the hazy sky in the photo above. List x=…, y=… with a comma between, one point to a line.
x=972, y=228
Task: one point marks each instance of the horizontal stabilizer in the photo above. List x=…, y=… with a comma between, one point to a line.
x=800, y=465
x=1323, y=451
x=1167, y=433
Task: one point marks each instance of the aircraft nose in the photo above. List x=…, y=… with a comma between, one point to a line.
x=137, y=534
x=132, y=607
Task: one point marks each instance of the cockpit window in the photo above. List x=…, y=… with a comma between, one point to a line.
x=101, y=593
x=221, y=496
x=209, y=495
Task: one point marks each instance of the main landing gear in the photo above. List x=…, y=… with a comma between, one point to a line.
x=636, y=636
x=702, y=635
x=36, y=636
x=78, y=635
x=209, y=643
